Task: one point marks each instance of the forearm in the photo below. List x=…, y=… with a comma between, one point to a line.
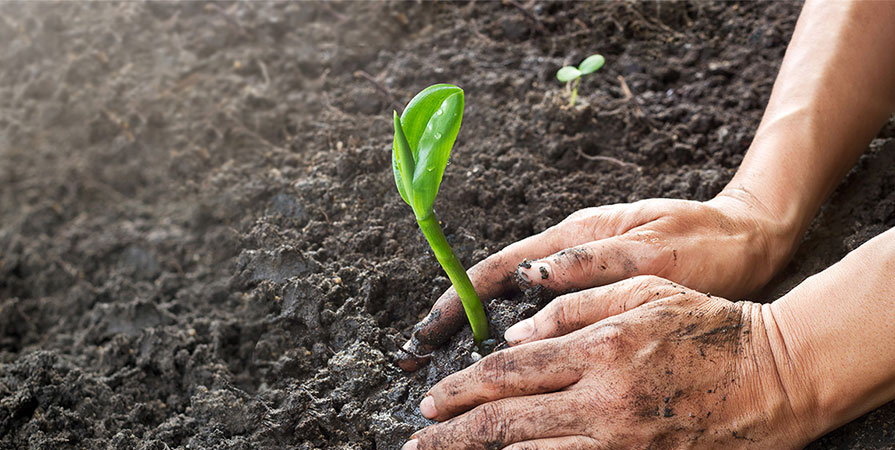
x=834, y=91
x=836, y=340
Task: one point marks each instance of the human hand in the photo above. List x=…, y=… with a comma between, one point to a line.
x=730, y=245
x=684, y=370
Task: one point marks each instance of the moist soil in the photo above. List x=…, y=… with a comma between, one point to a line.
x=201, y=243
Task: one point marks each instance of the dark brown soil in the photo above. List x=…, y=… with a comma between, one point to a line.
x=201, y=244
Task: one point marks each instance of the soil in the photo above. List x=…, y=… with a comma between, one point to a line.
x=201, y=244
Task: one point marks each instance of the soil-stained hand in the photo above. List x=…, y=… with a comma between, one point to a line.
x=728, y=246
x=682, y=370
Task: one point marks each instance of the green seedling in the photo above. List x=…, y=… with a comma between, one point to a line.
x=424, y=135
x=572, y=75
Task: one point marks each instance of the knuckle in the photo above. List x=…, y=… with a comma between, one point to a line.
x=644, y=283
x=493, y=370
x=429, y=438
x=567, y=311
x=498, y=261
x=490, y=423
x=585, y=213
x=646, y=236
x=523, y=446
x=592, y=403
x=556, y=236
x=656, y=246
x=586, y=222
x=609, y=341
x=575, y=259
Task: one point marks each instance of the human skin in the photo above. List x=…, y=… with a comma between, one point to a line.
x=646, y=363
x=834, y=91
x=787, y=372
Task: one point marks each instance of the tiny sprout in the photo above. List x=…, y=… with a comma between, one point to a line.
x=568, y=74
x=424, y=135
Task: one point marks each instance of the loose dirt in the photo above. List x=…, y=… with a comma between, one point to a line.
x=201, y=244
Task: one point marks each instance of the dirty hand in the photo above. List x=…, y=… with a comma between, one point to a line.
x=647, y=363
x=813, y=130
x=685, y=370
x=730, y=245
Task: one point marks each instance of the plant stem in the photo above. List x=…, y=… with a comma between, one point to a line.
x=574, y=91
x=455, y=271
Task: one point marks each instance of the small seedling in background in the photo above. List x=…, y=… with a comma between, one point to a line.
x=570, y=74
x=424, y=135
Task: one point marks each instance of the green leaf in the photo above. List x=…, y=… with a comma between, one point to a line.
x=567, y=73
x=424, y=135
x=434, y=150
x=591, y=64
x=422, y=106
x=402, y=162
x=429, y=125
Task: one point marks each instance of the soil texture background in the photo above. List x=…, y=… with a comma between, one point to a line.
x=201, y=243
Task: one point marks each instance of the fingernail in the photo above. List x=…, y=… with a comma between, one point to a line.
x=410, y=445
x=427, y=408
x=520, y=331
x=529, y=271
x=540, y=269
x=415, y=354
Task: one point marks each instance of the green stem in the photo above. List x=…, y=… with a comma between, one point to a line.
x=455, y=271
x=575, y=91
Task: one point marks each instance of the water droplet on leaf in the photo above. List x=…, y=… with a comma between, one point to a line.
x=437, y=136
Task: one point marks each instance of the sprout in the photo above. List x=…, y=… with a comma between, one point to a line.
x=424, y=135
x=568, y=74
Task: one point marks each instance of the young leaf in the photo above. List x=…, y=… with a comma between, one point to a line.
x=434, y=149
x=591, y=64
x=422, y=106
x=424, y=135
x=413, y=121
x=567, y=73
x=402, y=162
x=429, y=125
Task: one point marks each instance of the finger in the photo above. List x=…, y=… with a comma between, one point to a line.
x=544, y=366
x=599, y=263
x=577, y=310
x=504, y=422
x=490, y=277
x=559, y=443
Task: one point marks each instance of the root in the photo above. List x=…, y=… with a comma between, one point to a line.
x=609, y=159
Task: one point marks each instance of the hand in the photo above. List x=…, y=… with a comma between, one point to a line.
x=730, y=246
x=684, y=370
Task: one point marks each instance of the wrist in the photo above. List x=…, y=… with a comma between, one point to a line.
x=771, y=407
x=794, y=378
x=835, y=348
x=778, y=234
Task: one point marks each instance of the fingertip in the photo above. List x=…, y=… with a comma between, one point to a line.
x=412, y=363
x=519, y=332
x=427, y=407
x=413, y=356
x=540, y=270
x=532, y=273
